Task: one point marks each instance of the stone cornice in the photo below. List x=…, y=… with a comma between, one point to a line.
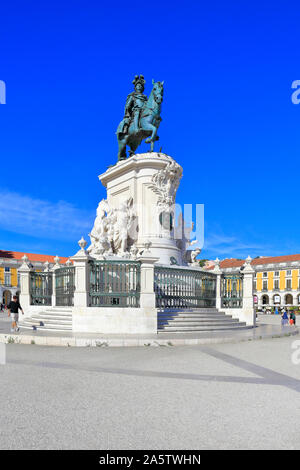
x=136, y=162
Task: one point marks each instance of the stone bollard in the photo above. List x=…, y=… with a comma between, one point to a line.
x=25, y=294
x=53, y=269
x=248, y=303
x=82, y=279
x=147, y=295
x=217, y=270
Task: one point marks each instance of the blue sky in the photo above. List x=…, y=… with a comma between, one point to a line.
x=228, y=118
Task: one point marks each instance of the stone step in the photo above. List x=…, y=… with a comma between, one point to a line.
x=48, y=316
x=58, y=310
x=190, y=310
x=53, y=319
x=28, y=326
x=36, y=321
x=195, y=316
x=55, y=326
x=195, y=324
x=196, y=319
x=188, y=321
x=170, y=329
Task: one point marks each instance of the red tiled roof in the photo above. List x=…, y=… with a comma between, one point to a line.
x=276, y=259
x=31, y=256
x=229, y=263
x=235, y=263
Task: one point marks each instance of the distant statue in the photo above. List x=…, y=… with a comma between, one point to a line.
x=141, y=118
x=194, y=254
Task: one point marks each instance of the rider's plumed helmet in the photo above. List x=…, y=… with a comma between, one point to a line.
x=139, y=79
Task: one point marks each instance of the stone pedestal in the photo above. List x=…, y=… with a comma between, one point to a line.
x=151, y=180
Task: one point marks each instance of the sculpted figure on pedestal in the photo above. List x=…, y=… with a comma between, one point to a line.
x=111, y=229
x=99, y=234
x=165, y=183
x=194, y=254
x=123, y=221
x=183, y=241
x=134, y=251
x=141, y=118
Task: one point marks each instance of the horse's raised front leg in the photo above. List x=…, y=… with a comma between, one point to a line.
x=152, y=138
x=148, y=126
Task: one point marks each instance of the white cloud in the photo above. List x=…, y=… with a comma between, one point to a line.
x=232, y=247
x=43, y=219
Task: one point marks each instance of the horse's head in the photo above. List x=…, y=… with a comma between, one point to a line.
x=158, y=91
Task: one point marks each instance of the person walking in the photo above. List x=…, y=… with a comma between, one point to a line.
x=292, y=318
x=13, y=311
x=284, y=318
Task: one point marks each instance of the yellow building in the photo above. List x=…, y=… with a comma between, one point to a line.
x=10, y=261
x=276, y=279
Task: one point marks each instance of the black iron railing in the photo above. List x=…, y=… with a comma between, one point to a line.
x=183, y=288
x=65, y=286
x=115, y=283
x=232, y=290
x=40, y=288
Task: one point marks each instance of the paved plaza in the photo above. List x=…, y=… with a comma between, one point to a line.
x=224, y=396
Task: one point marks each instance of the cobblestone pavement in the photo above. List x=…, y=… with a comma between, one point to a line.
x=226, y=396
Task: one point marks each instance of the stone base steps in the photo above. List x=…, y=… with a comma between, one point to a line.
x=59, y=319
x=193, y=320
x=55, y=319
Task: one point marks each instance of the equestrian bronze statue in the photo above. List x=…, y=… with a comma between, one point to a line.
x=141, y=118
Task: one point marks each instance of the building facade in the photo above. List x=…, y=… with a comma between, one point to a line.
x=10, y=261
x=276, y=279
